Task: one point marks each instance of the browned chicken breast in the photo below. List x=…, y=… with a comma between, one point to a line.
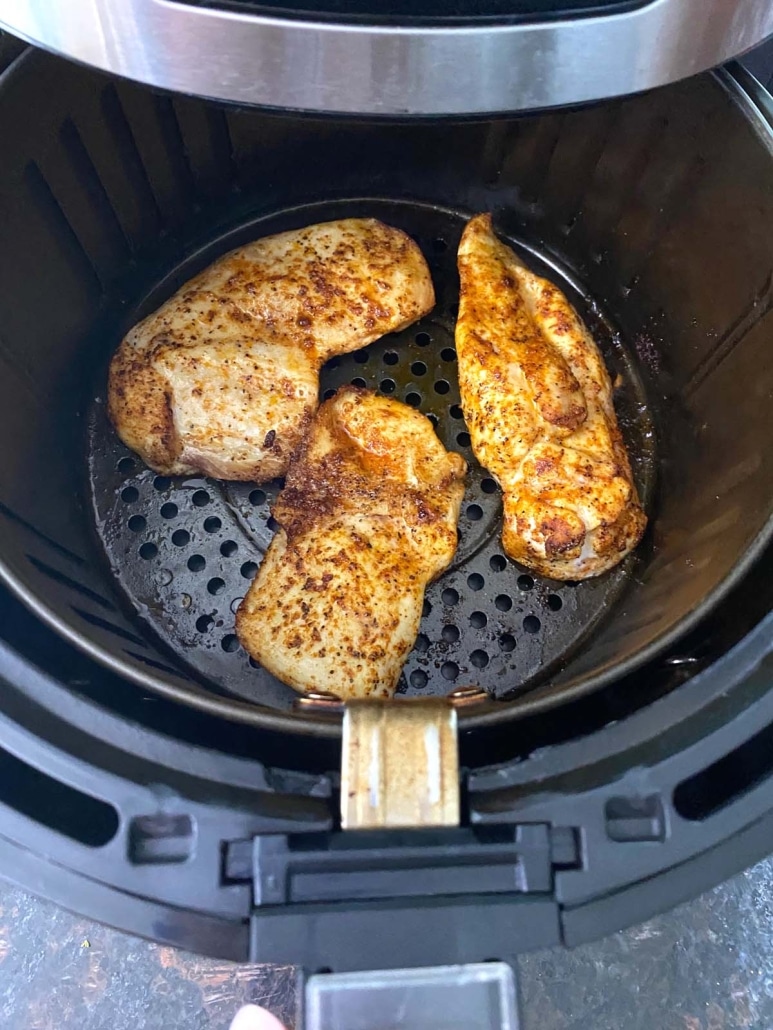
x=538, y=402
x=367, y=518
x=223, y=378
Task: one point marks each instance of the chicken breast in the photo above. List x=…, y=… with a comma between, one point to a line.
x=367, y=519
x=223, y=378
x=538, y=402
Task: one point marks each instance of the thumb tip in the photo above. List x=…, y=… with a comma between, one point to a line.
x=253, y=1017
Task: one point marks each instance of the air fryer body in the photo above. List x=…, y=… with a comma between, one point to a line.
x=150, y=777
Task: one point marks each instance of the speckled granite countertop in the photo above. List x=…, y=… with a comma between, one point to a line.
x=707, y=965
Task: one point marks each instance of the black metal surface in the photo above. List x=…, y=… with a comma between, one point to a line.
x=184, y=551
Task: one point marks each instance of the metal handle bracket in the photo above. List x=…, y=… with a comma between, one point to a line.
x=400, y=765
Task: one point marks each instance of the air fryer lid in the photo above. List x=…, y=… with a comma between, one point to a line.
x=113, y=196
x=431, y=57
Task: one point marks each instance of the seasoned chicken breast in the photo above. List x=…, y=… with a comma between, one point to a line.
x=538, y=402
x=367, y=519
x=223, y=378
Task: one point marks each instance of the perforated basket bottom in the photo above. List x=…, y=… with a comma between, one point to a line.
x=184, y=550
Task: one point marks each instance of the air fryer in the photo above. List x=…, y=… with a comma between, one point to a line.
x=614, y=747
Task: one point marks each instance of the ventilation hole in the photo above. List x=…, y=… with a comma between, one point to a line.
x=249, y=569
x=474, y=512
x=230, y=642
x=455, y=411
x=254, y=664
x=108, y=627
x=449, y=670
x=503, y=603
x=555, y=604
x=330, y=392
x=387, y=386
x=126, y=465
x=418, y=679
x=422, y=642
x=507, y=642
x=162, y=482
x=435, y=422
x=54, y=804
x=137, y=523
x=204, y=623
x=572, y=583
x=359, y=381
x=439, y=245
x=148, y=551
x=448, y=354
x=497, y=563
x=212, y=524
x=442, y=386
x=531, y=624
x=334, y=363
x=426, y=608
x=181, y=537
x=152, y=663
x=463, y=439
x=479, y=659
x=196, y=562
x=168, y=510
x=272, y=524
x=201, y=498
x=414, y=399
x=257, y=497
x=475, y=581
x=450, y=596
x=423, y=339
x=419, y=368
x=235, y=604
x=391, y=357
x=478, y=620
x=361, y=357
x=73, y=584
x=228, y=548
x=450, y=634
x=130, y=494
x=525, y=582
x=488, y=486
x=216, y=585
x=727, y=779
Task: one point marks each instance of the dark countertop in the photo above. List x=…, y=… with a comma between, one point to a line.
x=707, y=965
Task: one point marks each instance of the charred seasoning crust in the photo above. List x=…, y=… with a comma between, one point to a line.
x=538, y=401
x=367, y=518
x=297, y=298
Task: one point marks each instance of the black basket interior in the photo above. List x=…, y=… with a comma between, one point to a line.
x=655, y=213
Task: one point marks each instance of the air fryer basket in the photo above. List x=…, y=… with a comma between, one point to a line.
x=655, y=214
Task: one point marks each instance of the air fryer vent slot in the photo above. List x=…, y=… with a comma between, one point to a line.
x=57, y=805
x=709, y=791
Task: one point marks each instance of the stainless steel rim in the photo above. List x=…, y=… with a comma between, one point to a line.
x=391, y=70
